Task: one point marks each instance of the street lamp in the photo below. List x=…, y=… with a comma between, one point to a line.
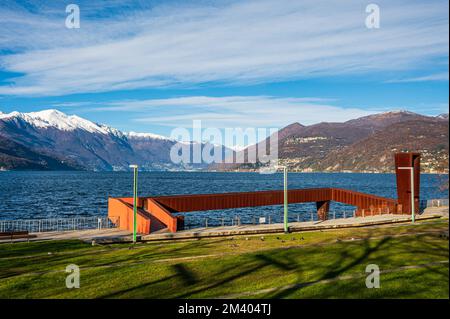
x=286, y=228
x=413, y=210
x=135, y=170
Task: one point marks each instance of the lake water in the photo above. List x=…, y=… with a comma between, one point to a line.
x=37, y=195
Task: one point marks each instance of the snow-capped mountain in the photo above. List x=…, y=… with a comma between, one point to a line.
x=56, y=119
x=80, y=143
x=51, y=139
x=145, y=136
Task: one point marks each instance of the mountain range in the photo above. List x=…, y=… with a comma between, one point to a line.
x=52, y=140
x=366, y=144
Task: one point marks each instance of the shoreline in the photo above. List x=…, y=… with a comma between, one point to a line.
x=220, y=172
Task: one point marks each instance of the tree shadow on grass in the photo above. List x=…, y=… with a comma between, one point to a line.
x=181, y=273
x=138, y=287
x=193, y=244
x=273, y=262
x=187, y=276
x=37, y=265
x=351, y=255
x=433, y=269
x=24, y=249
x=258, y=263
x=429, y=247
x=435, y=250
x=282, y=261
x=340, y=266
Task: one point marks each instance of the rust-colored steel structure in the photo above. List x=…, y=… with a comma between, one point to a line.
x=156, y=212
x=402, y=161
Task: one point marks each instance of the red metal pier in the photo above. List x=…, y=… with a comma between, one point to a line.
x=155, y=212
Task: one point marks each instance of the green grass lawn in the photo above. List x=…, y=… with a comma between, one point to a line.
x=413, y=261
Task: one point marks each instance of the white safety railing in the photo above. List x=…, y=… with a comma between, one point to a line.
x=437, y=203
x=191, y=222
x=58, y=224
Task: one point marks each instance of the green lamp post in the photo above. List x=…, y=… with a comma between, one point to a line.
x=135, y=171
x=286, y=227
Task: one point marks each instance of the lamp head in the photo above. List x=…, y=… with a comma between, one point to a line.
x=133, y=166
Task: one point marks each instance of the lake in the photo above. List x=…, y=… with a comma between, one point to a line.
x=38, y=195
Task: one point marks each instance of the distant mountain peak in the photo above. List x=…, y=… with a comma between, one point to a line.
x=136, y=135
x=393, y=113
x=295, y=125
x=291, y=129
x=50, y=112
x=399, y=111
x=53, y=118
x=386, y=118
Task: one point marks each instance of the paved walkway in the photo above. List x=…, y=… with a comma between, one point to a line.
x=293, y=227
x=117, y=235
x=110, y=234
x=442, y=211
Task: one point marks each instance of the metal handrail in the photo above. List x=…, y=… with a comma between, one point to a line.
x=59, y=224
x=236, y=220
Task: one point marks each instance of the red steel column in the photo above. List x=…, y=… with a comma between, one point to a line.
x=322, y=209
x=404, y=180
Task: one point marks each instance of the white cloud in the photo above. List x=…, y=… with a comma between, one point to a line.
x=430, y=77
x=233, y=42
x=234, y=111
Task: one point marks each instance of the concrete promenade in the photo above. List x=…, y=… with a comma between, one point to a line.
x=293, y=227
x=110, y=234
x=116, y=235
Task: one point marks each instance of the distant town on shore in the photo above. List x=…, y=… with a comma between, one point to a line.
x=52, y=140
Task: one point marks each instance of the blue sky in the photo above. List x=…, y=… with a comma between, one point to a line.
x=151, y=66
